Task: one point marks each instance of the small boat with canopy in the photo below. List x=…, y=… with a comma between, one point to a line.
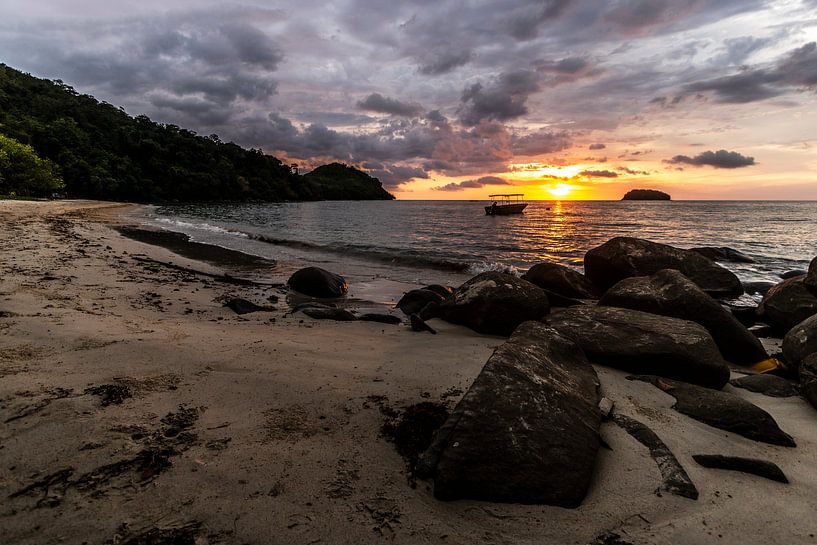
x=506, y=204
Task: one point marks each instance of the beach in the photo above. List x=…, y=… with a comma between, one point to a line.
x=267, y=427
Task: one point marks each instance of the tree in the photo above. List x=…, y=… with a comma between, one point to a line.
x=24, y=173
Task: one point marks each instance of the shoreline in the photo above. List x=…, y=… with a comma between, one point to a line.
x=266, y=427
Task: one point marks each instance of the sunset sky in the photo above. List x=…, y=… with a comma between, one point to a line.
x=705, y=99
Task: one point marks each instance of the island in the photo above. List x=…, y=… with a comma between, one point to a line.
x=646, y=195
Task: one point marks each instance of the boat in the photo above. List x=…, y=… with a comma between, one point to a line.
x=506, y=204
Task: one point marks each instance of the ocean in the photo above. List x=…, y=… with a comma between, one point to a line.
x=427, y=241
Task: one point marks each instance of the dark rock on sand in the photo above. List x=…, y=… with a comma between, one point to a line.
x=759, y=287
x=761, y=468
x=562, y=280
x=811, y=277
x=534, y=443
x=808, y=379
x=380, y=318
x=337, y=314
x=722, y=410
x=723, y=253
x=800, y=341
x=792, y=274
x=445, y=291
x=670, y=293
x=676, y=479
x=419, y=325
x=744, y=308
x=787, y=304
x=770, y=385
x=317, y=282
x=242, y=306
x=557, y=300
x=495, y=303
x=110, y=394
x=762, y=331
x=414, y=301
x=639, y=342
x=623, y=257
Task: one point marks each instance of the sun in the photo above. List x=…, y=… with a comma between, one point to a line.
x=560, y=190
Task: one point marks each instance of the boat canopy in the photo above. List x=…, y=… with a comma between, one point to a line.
x=507, y=195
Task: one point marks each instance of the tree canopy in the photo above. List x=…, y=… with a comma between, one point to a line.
x=23, y=173
x=103, y=153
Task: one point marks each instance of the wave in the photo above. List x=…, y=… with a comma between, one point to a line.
x=202, y=227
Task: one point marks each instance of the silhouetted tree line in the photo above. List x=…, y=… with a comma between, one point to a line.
x=101, y=152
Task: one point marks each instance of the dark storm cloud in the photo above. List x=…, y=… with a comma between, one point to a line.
x=376, y=102
x=523, y=22
x=599, y=174
x=796, y=69
x=717, y=159
x=541, y=142
x=445, y=61
x=473, y=184
x=596, y=146
x=393, y=175
x=501, y=100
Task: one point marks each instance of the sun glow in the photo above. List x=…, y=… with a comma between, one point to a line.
x=560, y=190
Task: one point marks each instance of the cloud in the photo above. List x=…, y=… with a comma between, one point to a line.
x=445, y=61
x=503, y=100
x=596, y=146
x=376, y=102
x=599, y=174
x=393, y=175
x=717, y=159
x=541, y=142
x=473, y=184
x=797, y=69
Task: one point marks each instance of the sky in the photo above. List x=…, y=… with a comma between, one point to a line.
x=439, y=99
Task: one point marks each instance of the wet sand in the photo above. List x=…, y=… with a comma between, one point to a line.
x=266, y=427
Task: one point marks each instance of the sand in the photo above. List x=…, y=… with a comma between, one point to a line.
x=274, y=428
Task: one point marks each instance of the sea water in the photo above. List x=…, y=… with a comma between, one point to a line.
x=457, y=238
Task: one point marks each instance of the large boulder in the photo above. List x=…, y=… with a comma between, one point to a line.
x=317, y=282
x=787, y=304
x=808, y=379
x=723, y=253
x=800, y=341
x=527, y=430
x=495, y=303
x=670, y=293
x=811, y=278
x=640, y=342
x=623, y=257
x=562, y=280
x=722, y=410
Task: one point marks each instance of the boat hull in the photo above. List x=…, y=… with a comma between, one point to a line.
x=505, y=209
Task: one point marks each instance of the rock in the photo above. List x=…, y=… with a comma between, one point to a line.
x=808, y=379
x=770, y=385
x=723, y=253
x=787, y=304
x=744, y=308
x=757, y=287
x=623, y=257
x=380, y=318
x=317, y=282
x=311, y=304
x=676, y=479
x=414, y=301
x=792, y=274
x=431, y=310
x=495, y=303
x=753, y=466
x=639, y=342
x=811, y=277
x=562, y=280
x=561, y=301
x=242, y=306
x=670, y=293
x=419, y=325
x=761, y=331
x=800, y=341
x=722, y=410
x=337, y=314
x=445, y=291
x=534, y=443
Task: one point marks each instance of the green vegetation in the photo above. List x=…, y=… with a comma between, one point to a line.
x=23, y=173
x=103, y=153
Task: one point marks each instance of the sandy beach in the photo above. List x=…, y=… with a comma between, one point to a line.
x=266, y=427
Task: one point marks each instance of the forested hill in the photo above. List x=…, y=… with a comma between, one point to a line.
x=101, y=152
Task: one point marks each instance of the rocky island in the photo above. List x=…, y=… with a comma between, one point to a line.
x=646, y=195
